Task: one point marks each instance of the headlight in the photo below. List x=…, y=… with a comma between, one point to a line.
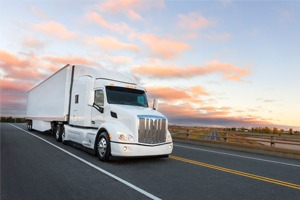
x=125, y=137
x=169, y=138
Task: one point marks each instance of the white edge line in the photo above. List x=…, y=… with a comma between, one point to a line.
x=229, y=154
x=95, y=167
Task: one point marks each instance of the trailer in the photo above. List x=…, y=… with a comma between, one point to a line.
x=102, y=110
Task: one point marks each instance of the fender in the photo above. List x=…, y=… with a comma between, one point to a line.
x=112, y=127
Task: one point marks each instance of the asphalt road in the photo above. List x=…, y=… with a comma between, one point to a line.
x=35, y=166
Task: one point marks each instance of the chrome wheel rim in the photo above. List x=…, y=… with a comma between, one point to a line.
x=102, y=146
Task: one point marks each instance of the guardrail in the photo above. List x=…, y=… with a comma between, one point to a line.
x=240, y=137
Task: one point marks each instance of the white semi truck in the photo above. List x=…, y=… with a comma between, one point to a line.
x=102, y=110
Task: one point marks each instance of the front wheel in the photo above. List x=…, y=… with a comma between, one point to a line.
x=103, y=147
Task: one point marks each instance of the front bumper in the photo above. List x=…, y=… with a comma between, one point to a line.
x=133, y=150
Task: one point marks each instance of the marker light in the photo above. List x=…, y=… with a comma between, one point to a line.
x=125, y=148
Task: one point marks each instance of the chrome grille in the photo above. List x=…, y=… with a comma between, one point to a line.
x=152, y=129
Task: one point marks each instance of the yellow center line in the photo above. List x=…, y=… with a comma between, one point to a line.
x=261, y=178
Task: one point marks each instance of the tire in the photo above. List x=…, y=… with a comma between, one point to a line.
x=63, y=136
x=103, y=147
x=164, y=156
x=29, y=125
x=58, y=132
x=53, y=128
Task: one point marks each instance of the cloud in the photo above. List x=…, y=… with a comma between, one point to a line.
x=175, y=95
x=99, y=20
x=168, y=93
x=187, y=114
x=199, y=90
x=33, y=43
x=54, y=29
x=8, y=84
x=8, y=59
x=69, y=60
x=229, y=71
x=266, y=100
x=163, y=47
x=119, y=5
x=111, y=43
x=116, y=60
x=134, y=15
x=38, y=12
x=19, y=68
x=193, y=21
x=130, y=8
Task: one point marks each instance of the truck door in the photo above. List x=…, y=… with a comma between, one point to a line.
x=98, y=110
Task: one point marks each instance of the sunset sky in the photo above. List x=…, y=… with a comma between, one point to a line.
x=210, y=63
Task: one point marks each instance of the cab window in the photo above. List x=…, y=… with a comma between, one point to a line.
x=99, y=98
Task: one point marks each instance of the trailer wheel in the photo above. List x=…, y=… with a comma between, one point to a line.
x=29, y=125
x=58, y=133
x=103, y=147
x=53, y=128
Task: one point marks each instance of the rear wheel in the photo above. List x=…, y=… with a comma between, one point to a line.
x=29, y=125
x=63, y=136
x=103, y=147
x=58, y=132
x=53, y=128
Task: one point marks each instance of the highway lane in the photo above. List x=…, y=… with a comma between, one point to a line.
x=33, y=169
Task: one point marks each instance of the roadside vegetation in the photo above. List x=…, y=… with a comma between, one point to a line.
x=13, y=119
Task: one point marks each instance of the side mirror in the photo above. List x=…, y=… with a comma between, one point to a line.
x=91, y=98
x=155, y=104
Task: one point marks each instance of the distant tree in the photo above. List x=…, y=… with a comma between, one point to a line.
x=233, y=129
x=275, y=130
x=290, y=131
x=281, y=131
x=267, y=130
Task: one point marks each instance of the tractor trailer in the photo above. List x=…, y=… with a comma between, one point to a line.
x=102, y=110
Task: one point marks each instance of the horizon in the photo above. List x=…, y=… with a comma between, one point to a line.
x=211, y=63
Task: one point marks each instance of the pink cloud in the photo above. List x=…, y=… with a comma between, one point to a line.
x=172, y=95
x=134, y=15
x=163, y=47
x=98, y=19
x=7, y=84
x=193, y=21
x=33, y=43
x=199, y=90
x=119, y=5
x=229, y=71
x=16, y=67
x=8, y=59
x=168, y=93
x=111, y=43
x=130, y=8
x=55, y=29
x=62, y=61
x=38, y=12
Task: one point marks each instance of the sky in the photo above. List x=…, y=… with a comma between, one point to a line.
x=220, y=63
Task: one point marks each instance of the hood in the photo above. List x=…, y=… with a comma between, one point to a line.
x=134, y=111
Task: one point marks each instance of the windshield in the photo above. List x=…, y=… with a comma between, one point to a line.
x=126, y=96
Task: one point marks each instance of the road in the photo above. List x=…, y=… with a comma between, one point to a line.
x=35, y=166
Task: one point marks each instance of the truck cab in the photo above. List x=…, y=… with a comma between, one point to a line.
x=109, y=113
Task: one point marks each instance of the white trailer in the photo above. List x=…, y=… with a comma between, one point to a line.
x=102, y=110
